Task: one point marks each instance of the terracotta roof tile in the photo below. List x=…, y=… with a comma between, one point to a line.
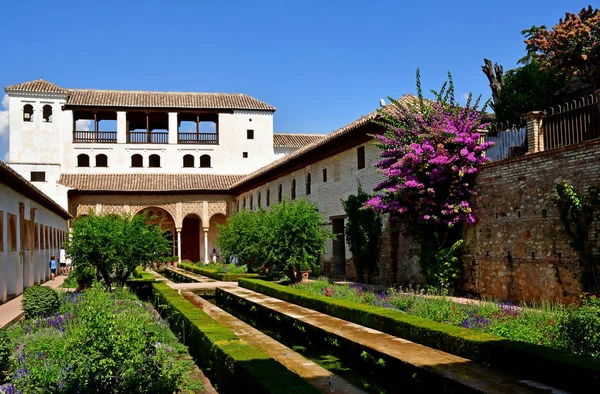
x=146, y=99
x=148, y=182
x=39, y=85
x=15, y=181
x=285, y=140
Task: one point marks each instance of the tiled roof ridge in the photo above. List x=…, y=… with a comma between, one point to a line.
x=150, y=91
x=291, y=133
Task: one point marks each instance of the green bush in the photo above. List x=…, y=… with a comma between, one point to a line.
x=577, y=373
x=215, y=274
x=39, y=301
x=233, y=364
x=4, y=354
x=579, y=330
x=99, y=342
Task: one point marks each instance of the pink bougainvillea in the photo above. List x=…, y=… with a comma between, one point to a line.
x=430, y=154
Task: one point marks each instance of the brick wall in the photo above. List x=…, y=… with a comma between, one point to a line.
x=518, y=250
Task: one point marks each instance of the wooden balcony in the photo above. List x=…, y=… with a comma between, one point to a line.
x=101, y=137
x=143, y=137
x=198, y=138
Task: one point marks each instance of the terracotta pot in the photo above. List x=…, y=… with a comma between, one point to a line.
x=305, y=276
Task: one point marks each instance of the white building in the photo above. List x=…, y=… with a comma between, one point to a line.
x=172, y=153
x=32, y=229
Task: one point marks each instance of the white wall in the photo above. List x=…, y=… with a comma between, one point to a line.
x=16, y=270
x=343, y=177
x=281, y=152
x=50, y=186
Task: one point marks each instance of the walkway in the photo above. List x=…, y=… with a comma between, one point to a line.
x=303, y=367
x=461, y=370
x=11, y=311
x=202, y=282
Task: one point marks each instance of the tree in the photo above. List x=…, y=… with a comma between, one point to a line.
x=572, y=47
x=114, y=245
x=242, y=237
x=363, y=234
x=294, y=237
x=431, y=151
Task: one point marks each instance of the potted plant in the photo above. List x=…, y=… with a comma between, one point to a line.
x=85, y=276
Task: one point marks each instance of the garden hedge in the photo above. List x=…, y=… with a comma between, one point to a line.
x=233, y=365
x=214, y=274
x=141, y=284
x=525, y=361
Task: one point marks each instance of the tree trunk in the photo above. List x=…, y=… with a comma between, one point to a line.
x=494, y=75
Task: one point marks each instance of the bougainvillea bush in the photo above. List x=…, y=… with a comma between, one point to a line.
x=430, y=154
x=97, y=342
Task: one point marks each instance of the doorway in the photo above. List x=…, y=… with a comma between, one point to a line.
x=190, y=238
x=339, y=247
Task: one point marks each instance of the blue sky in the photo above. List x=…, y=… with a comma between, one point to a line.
x=321, y=63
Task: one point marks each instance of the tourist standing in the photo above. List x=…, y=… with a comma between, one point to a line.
x=52, y=265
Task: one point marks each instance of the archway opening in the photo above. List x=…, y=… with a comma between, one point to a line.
x=213, y=231
x=190, y=238
x=164, y=220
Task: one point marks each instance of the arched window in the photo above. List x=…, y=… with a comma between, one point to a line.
x=154, y=161
x=28, y=113
x=137, y=160
x=280, y=193
x=101, y=160
x=293, y=189
x=308, y=181
x=268, y=197
x=205, y=161
x=47, y=113
x=83, y=160
x=188, y=161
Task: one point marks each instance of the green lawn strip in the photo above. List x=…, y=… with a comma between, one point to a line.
x=234, y=365
x=214, y=274
x=577, y=373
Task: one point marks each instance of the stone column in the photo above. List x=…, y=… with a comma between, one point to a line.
x=535, y=135
x=173, y=127
x=206, y=245
x=179, y=243
x=121, y=127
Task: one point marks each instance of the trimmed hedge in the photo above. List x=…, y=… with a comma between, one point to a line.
x=525, y=361
x=232, y=364
x=211, y=273
x=141, y=284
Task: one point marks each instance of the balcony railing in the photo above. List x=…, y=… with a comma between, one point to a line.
x=142, y=137
x=103, y=137
x=198, y=138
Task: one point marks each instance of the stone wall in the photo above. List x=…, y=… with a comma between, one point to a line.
x=518, y=250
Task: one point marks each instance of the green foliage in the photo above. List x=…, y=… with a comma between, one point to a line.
x=114, y=245
x=526, y=89
x=577, y=214
x=39, y=301
x=223, y=268
x=233, y=363
x=442, y=267
x=4, y=354
x=242, y=237
x=295, y=237
x=363, y=234
x=577, y=373
x=288, y=235
x=215, y=274
x=84, y=274
x=580, y=328
x=99, y=342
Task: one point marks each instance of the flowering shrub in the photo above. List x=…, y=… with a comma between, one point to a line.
x=97, y=342
x=430, y=154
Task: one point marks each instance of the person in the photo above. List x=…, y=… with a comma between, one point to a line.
x=52, y=265
x=214, y=256
x=62, y=259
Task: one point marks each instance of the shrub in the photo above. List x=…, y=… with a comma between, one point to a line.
x=243, y=238
x=4, y=354
x=580, y=328
x=39, y=300
x=84, y=274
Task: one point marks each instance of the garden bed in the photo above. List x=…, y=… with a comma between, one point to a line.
x=214, y=273
x=528, y=361
x=234, y=365
x=93, y=342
